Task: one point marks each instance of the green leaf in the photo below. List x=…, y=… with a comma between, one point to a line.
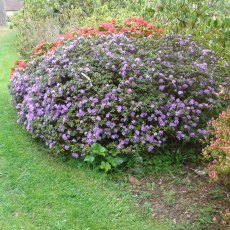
x=114, y=152
x=215, y=23
x=115, y=161
x=98, y=149
x=105, y=166
x=89, y=158
x=226, y=33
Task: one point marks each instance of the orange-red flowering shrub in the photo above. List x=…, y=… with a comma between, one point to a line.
x=18, y=64
x=42, y=47
x=132, y=26
x=219, y=148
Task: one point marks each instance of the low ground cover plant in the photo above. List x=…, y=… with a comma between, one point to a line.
x=130, y=95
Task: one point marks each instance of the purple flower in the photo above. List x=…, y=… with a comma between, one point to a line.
x=202, y=131
x=150, y=148
x=64, y=137
x=161, y=132
x=179, y=135
x=119, y=108
x=149, y=138
x=129, y=91
x=80, y=113
x=205, y=52
x=87, y=69
x=114, y=67
x=75, y=155
x=202, y=66
x=226, y=65
x=137, y=60
x=191, y=102
x=161, y=122
x=159, y=59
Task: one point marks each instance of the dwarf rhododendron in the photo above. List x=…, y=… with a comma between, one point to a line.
x=124, y=92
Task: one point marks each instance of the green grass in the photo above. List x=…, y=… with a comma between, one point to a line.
x=40, y=192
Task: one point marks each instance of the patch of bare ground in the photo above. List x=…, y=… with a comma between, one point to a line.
x=185, y=197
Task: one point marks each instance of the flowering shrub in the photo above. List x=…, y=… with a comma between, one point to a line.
x=132, y=26
x=219, y=149
x=125, y=93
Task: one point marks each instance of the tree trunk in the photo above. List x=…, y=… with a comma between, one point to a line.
x=2, y=13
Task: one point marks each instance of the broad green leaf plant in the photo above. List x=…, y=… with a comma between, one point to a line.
x=103, y=158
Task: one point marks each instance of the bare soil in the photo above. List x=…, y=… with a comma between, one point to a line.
x=184, y=197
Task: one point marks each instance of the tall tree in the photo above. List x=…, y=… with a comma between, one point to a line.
x=2, y=13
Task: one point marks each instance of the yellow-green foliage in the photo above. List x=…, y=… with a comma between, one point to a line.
x=44, y=20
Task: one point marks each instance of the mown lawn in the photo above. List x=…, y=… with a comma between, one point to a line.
x=39, y=192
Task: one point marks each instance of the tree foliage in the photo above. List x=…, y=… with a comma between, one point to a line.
x=45, y=20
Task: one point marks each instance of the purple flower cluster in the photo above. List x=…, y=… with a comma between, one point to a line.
x=125, y=93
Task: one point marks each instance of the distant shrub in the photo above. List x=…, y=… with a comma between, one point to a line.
x=45, y=20
x=219, y=149
x=125, y=93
